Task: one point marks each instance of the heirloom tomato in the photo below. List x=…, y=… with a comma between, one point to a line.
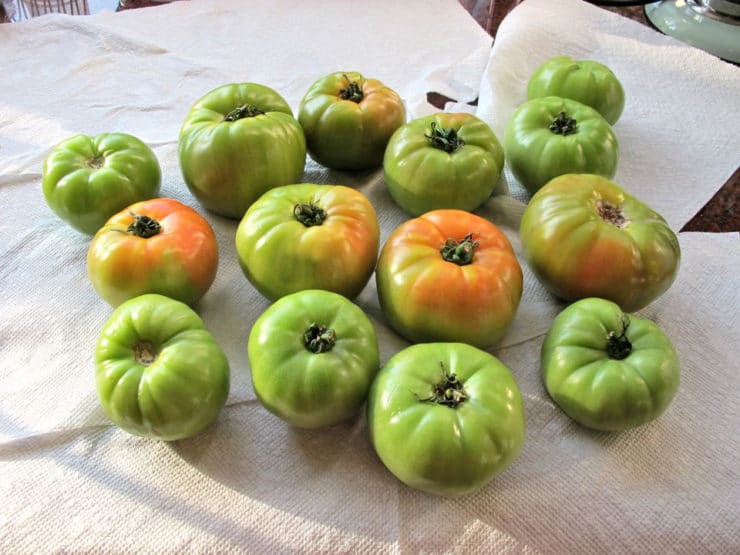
x=589, y=82
x=449, y=275
x=308, y=236
x=445, y=160
x=445, y=417
x=159, y=372
x=313, y=355
x=348, y=120
x=238, y=141
x=608, y=370
x=552, y=136
x=583, y=236
x=155, y=246
x=88, y=179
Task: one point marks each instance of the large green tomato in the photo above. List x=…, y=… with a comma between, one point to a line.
x=552, y=136
x=308, y=236
x=608, y=370
x=88, y=179
x=583, y=236
x=591, y=83
x=446, y=160
x=445, y=417
x=238, y=141
x=348, y=120
x=313, y=356
x=159, y=372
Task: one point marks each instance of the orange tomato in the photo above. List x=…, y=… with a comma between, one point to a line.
x=155, y=246
x=449, y=275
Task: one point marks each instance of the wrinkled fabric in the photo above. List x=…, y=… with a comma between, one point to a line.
x=71, y=481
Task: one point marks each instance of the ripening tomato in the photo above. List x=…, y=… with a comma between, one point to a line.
x=449, y=275
x=155, y=246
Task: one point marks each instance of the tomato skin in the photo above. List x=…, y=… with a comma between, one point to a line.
x=159, y=373
x=347, y=134
x=179, y=262
x=86, y=179
x=311, y=389
x=280, y=255
x=538, y=153
x=576, y=253
x=442, y=449
x=426, y=298
x=596, y=384
x=228, y=163
x=589, y=82
x=422, y=177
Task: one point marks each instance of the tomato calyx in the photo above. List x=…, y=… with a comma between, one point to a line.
x=353, y=91
x=243, y=111
x=144, y=226
x=564, y=124
x=459, y=252
x=309, y=214
x=611, y=213
x=144, y=352
x=444, y=139
x=319, y=339
x=618, y=347
x=448, y=391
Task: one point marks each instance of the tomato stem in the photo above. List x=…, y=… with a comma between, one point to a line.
x=144, y=353
x=459, y=252
x=96, y=162
x=564, y=124
x=319, y=339
x=243, y=111
x=353, y=91
x=618, y=347
x=444, y=139
x=144, y=226
x=448, y=391
x=309, y=214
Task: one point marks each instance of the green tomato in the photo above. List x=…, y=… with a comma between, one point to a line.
x=591, y=83
x=446, y=160
x=348, y=120
x=313, y=355
x=445, y=417
x=606, y=369
x=308, y=236
x=583, y=236
x=552, y=136
x=86, y=180
x=159, y=372
x=237, y=142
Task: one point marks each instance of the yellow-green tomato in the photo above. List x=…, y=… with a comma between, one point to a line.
x=88, y=179
x=348, y=119
x=313, y=356
x=446, y=160
x=551, y=136
x=308, y=236
x=238, y=141
x=445, y=417
x=583, y=236
x=589, y=82
x=606, y=369
x=159, y=372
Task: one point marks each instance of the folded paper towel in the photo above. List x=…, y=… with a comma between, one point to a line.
x=72, y=482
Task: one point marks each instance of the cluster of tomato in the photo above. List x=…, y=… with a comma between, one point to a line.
x=444, y=415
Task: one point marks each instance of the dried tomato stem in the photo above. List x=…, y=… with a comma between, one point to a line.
x=618, y=347
x=319, y=339
x=309, y=214
x=448, y=391
x=243, y=111
x=444, y=139
x=459, y=252
x=564, y=124
x=144, y=226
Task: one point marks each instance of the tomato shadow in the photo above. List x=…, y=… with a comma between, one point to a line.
x=329, y=476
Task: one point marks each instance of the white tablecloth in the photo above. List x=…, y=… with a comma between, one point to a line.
x=70, y=481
